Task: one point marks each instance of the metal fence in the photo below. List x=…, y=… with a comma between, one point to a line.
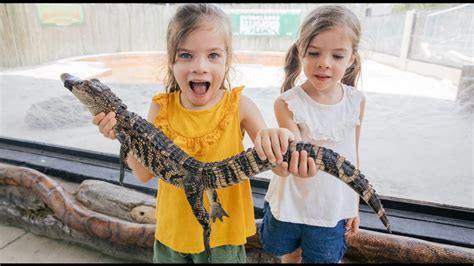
x=383, y=33
x=445, y=36
x=442, y=36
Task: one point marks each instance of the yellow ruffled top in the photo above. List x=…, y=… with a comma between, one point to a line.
x=197, y=142
x=208, y=135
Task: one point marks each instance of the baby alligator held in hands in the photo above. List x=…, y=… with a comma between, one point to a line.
x=164, y=159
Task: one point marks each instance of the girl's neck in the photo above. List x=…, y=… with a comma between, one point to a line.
x=328, y=96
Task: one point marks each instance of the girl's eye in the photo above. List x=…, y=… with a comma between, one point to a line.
x=313, y=54
x=185, y=55
x=338, y=56
x=214, y=55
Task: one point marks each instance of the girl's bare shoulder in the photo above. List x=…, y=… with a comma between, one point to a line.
x=153, y=111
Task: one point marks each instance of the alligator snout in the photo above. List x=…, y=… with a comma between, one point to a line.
x=69, y=81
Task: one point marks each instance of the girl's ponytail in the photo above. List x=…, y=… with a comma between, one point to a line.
x=292, y=68
x=353, y=72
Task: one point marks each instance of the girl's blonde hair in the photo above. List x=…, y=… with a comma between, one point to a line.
x=321, y=19
x=189, y=17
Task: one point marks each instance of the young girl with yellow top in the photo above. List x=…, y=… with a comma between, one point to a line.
x=208, y=121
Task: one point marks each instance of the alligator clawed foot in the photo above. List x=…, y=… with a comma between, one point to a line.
x=217, y=212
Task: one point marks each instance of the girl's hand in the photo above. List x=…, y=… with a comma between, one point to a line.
x=282, y=169
x=301, y=165
x=352, y=226
x=106, y=124
x=272, y=143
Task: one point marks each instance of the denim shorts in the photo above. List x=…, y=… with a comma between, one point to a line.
x=318, y=244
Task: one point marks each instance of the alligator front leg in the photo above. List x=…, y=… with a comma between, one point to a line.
x=216, y=208
x=194, y=191
x=126, y=143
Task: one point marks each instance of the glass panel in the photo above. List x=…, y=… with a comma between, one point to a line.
x=383, y=33
x=416, y=139
x=444, y=36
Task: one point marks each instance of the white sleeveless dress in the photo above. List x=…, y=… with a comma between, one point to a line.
x=321, y=200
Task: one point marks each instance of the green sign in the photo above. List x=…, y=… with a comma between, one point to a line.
x=60, y=14
x=251, y=22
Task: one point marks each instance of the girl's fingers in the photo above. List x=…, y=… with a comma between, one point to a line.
x=97, y=118
x=284, y=141
x=293, y=167
x=282, y=169
x=104, y=122
x=352, y=227
x=267, y=148
x=312, y=170
x=275, y=141
x=259, y=148
x=109, y=126
x=303, y=164
x=350, y=232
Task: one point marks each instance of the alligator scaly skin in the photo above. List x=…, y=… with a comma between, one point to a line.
x=166, y=160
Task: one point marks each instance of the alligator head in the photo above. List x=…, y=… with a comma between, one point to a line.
x=96, y=96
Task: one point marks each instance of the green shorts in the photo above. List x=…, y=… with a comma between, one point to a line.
x=222, y=254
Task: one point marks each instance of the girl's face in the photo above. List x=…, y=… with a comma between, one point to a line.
x=328, y=56
x=200, y=68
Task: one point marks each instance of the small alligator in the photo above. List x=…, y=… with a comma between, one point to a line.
x=155, y=151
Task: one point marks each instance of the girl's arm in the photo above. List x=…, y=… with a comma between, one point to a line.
x=269, y=143
x=106, y=123
x=352, y=225
x=300, y=164
x=284, y=118
x=361, y=116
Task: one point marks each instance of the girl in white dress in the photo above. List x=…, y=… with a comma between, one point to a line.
x=308, y=213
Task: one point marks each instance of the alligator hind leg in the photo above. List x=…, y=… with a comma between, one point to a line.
x=216, y=208
x=194, y=192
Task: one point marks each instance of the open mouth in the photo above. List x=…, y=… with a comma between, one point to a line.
x=199, y=87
